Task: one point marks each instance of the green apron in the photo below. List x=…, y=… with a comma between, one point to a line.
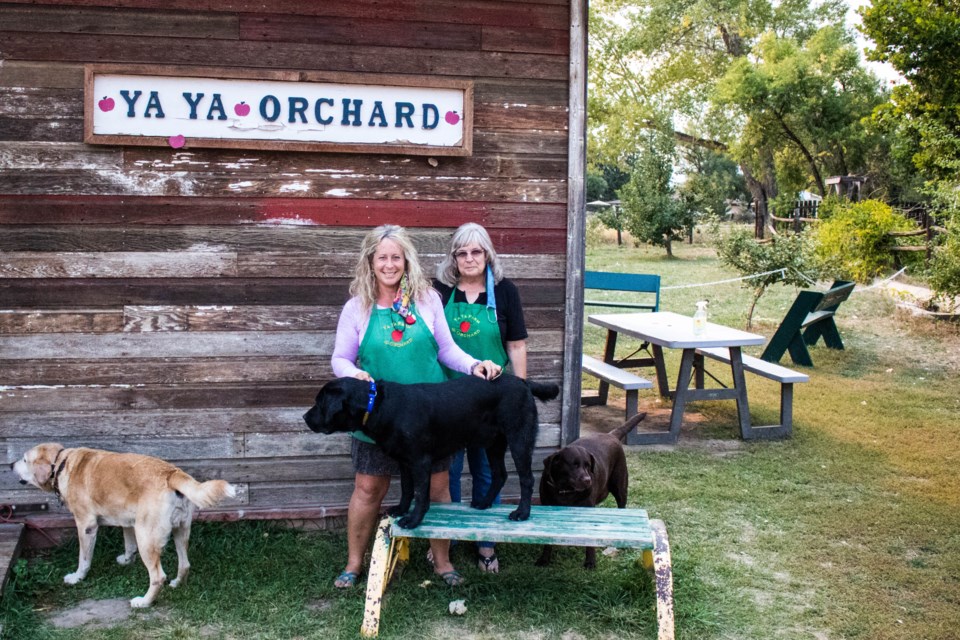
x=474, y=328
x=394, y=351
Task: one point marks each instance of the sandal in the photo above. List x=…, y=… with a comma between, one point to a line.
x=346, y=580
x=452, y=578
x=489, y=564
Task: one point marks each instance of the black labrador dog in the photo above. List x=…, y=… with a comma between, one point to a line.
x=584, y=473
x=417, y=423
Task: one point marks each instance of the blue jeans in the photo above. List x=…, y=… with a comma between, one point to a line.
x=479, y=471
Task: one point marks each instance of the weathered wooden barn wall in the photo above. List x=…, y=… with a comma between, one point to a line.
x=182, y=303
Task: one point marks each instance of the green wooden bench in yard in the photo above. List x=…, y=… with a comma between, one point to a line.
x=570, y=526
x=608, y=372
x=644, y=283
x=770, y=370
x=809, y=319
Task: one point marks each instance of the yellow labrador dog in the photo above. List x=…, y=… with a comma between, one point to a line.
x=148, y=497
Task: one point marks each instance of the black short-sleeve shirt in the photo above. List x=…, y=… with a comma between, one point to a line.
x=509, y=310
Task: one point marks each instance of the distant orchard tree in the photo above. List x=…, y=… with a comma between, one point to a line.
x=596, y=186
x=652, y=211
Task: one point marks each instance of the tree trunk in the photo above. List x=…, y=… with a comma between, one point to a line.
x=668, y=245
x=762, y=189
x=753, y=305
x=811, y=161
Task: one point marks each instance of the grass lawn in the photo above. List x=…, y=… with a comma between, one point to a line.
x=848, y=530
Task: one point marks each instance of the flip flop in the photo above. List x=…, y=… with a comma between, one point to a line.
x=452, y=578
x=345, y=580
x=488, y=564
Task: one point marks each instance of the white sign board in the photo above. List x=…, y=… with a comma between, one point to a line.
x=180, y=109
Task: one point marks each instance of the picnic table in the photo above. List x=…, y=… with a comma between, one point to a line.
x=668, y=330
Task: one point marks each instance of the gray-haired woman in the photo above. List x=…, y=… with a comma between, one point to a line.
x=485, y=317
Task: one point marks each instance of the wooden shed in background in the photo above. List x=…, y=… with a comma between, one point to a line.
x=182, y=302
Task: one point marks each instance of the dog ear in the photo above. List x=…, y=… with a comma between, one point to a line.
x=548, y=463
x=333, y=400
x=593, y=464
x=42, y=465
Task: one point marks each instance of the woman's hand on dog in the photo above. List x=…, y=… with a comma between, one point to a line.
x=487, y=369
x=363, y=375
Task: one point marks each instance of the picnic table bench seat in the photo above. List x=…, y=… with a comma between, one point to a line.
x=631, y=383
x=569, y=526
x=770, y=370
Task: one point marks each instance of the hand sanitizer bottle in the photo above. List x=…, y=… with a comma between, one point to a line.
x=700, y=318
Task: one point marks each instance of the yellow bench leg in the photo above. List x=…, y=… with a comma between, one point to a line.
x=658, y=560
x=387, y=552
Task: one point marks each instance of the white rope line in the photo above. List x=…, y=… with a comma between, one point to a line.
x=880, y=283
x=809, y=280
x=782, y=273
x=708, y=284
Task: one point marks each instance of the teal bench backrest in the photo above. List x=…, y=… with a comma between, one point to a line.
x=633, y=282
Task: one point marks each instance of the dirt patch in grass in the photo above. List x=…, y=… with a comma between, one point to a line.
x=693, y=434
x=100, y=614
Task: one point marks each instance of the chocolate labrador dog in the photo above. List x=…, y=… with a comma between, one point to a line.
x=583, y=474
x=417, y=423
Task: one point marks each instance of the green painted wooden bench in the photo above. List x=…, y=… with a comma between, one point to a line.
x=809, y=319
x=570, y=526
x=644, y=283
x=608, y=371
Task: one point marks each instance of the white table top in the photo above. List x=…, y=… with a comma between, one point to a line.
x=674, y=331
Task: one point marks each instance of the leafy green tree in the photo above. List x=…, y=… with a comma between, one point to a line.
x=921, y=40
x=722, y=70
x=652, y=212
x=712, y=180
x=789, y=256
x=809, y=97
x=945, y=266
x=596, y=185
x=603, y=182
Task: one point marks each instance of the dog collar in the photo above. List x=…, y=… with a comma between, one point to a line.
x=55, y=474
x=371, y=397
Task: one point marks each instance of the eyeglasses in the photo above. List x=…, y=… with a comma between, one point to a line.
x=463, y=254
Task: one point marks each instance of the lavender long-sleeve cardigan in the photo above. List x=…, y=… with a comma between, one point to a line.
x=353, y=326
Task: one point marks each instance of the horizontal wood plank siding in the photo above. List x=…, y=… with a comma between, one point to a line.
x=183, y=303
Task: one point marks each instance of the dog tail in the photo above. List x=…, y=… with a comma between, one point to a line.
x=202, y=494
x=544, y=391
x=620, y=433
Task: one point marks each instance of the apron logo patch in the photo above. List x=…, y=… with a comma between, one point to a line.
x=466, y=326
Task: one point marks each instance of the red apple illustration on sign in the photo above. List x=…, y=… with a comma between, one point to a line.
x=177, y=141
x=106, y=104
x=452, y=117
x=242, y=109
x=465, y=326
